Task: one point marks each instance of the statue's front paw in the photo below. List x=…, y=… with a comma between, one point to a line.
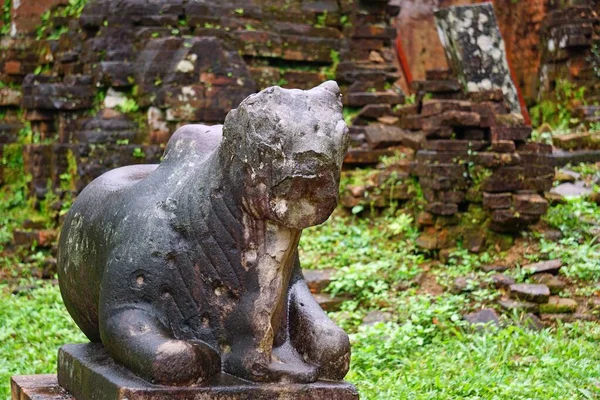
x=336, y=368
x=285, y=365
x=327, y=346
x=179, y=362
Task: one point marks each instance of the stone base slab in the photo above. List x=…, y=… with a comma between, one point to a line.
x=87, y=372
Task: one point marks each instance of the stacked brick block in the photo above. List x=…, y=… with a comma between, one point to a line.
x=477, y=153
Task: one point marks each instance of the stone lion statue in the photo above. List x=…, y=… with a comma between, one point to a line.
x=190, y=268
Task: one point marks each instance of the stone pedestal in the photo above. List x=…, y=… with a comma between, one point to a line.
x=86, y=372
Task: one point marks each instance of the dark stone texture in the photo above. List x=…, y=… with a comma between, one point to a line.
x=484, y=317
x=550, y=267
x=494, y=268
x=519, y=306
x=530, y=292
x=190, y=268
x=554, y=283
x=501, y=281
x=88, y=372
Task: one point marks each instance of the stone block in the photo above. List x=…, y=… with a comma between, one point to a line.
x=554, y=283
x=548, y=267
x=318, y=280
x=535, y=293
x=94, y=375
x=381, y=136
x=496, y=160
x=444, y=196
x=435, y=107
x=517, y=133
x=534, y=147
x=450, y=171
x=442, y=208
x=504, y=179
x=438, y=74
x=480, y=318
x=362, y=99
x=532, y=204
x=441, y=86
x=477, y=55
x=365, y=157
x=495, y=95
x=503, y=146
x=495, y=201
x=501, y=281
x=557, y=305
x=519, y=306
x=457, y=146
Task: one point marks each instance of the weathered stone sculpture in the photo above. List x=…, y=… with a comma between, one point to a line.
x=189, y=269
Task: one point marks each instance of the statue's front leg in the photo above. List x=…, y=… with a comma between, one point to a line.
x=314, y=334
x=137, y=339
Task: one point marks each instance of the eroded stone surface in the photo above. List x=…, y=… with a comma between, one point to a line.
x=535, y=293
x=557, y=305
x=550, y=267
x=483, y=317
x=190, y=268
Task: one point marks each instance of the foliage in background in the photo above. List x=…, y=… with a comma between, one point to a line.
x=71, y=10
x=5, y=20
x=557, y=112
x=377, y=255
x=579, y=222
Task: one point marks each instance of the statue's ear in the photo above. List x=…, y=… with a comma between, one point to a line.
x=330, y=86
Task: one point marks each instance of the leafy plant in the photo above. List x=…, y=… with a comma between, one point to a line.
x=6, y=17
x=557, y=112
x=321, y=19
x=330, y=71
x=139, y=153
x=128, y=106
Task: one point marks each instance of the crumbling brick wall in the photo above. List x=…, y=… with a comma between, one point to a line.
x=109, y=87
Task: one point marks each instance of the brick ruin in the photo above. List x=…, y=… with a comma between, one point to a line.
x=477, y=171
x=108, y=88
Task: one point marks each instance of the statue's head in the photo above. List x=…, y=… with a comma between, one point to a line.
x=291, y=144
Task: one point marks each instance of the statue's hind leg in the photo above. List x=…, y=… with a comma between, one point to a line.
x=137, y=339
x=313, y=333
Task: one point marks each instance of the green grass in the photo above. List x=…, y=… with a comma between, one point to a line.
x=32, y=327
x=511, y=363
x=425, y=351
x=425, y=354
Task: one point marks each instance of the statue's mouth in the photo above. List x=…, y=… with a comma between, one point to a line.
x=300, y=201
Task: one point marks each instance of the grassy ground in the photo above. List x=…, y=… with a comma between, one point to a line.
x=425, y=350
